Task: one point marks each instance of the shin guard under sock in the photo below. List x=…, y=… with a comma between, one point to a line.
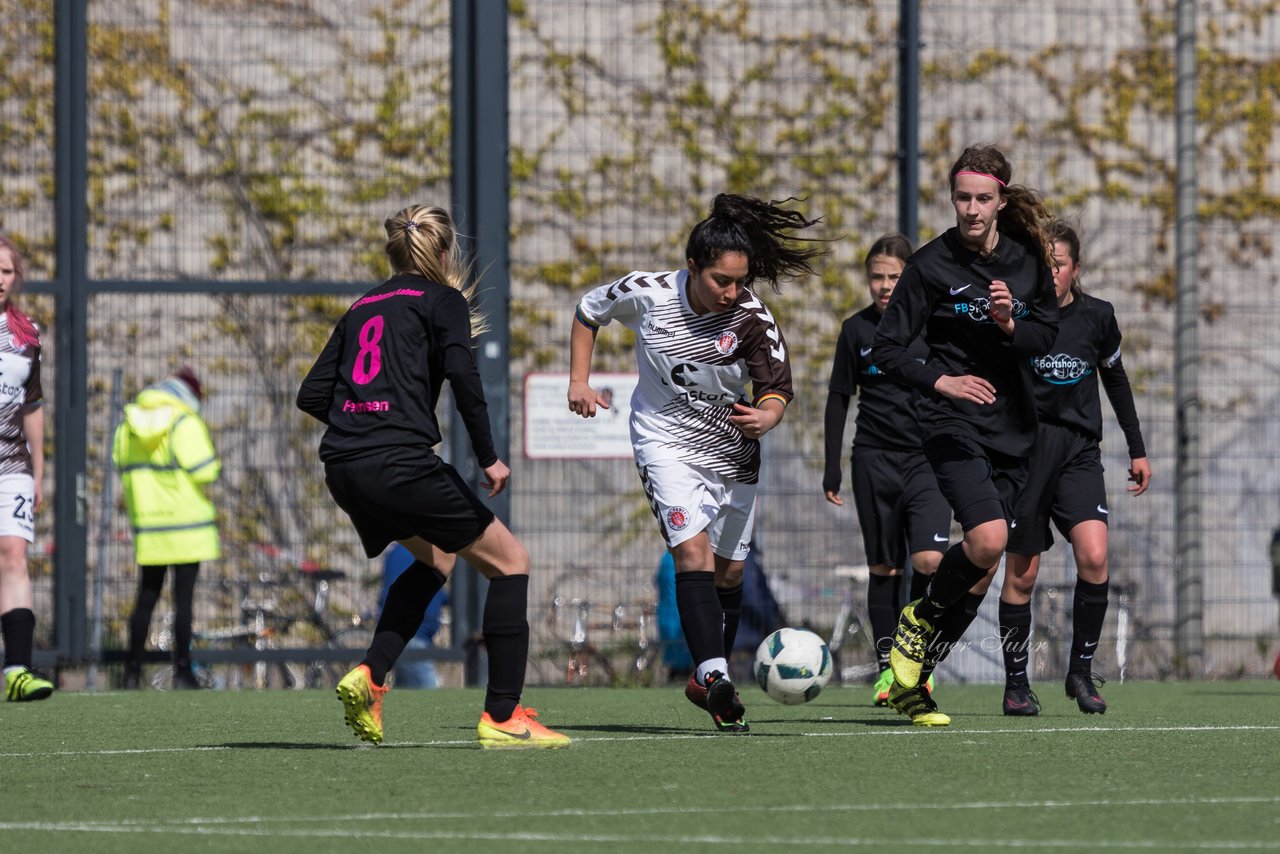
x=955, y=575
x=401, y=617
x=18, y=628
x=882, y=609
x=1089, y=609
x=731, y=607
x=700, y=615
x=506, y=637
x=1015, y=642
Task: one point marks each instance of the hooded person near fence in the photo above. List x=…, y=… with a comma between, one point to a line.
x=165, y=457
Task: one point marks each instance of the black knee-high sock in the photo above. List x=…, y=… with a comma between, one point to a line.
x=700, y=615
x=882, y=608
x=731, y=607
x=951, y=628
x=1015, y=642
x=506, y=637
x=919, y=585
x=1089, y=609
x=401, y=617
x=184, y=589
x=18, y=627
x=955, y=575
x=150, y=583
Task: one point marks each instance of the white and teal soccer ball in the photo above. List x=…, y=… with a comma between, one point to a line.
x=793, y=666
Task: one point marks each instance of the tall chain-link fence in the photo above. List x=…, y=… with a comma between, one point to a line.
x=266, y=142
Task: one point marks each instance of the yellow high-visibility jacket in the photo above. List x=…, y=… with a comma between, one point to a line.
x=164, y=455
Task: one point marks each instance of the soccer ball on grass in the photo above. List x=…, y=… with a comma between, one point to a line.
x=792, y=666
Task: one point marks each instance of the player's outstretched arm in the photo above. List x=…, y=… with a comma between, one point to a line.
x=583, y=399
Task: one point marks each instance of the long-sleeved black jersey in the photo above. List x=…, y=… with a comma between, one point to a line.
x=945, y=292
x=1066, y=383
x=888, y=411
x=378, y=378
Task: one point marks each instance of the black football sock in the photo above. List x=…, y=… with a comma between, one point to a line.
x=18, y=628
x=919, y=585
x=731, y=606
x=506, y=637
x=1015, y=642
x=882, y=609
x=700, y=615
x=951, y=628
x=955, y=575
x=1089, y=609
x=401, y=617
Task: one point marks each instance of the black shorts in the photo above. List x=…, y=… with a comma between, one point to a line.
x=1066, y=486
x=400, y=494
x=980, y=484
x=900, y=508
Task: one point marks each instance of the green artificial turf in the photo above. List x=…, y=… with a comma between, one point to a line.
x=1170, y=767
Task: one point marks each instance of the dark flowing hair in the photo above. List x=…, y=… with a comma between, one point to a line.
x=20, y=326
x=758, y=229
x=1025, y=216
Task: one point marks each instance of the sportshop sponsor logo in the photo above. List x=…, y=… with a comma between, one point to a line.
x=1061, y=368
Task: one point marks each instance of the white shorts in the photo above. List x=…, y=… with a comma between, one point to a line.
x=688, y=500
x=18, y=507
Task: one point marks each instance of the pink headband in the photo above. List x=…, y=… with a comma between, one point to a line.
x=983, y=175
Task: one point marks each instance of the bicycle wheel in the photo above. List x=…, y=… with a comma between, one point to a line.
x=162, y=678
x=325, y=674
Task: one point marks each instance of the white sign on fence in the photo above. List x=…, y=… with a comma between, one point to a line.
x=551, y=431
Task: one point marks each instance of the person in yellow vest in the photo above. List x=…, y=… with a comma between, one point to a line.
x=165, y=456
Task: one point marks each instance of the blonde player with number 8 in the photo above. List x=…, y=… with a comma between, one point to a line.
x=375, y=385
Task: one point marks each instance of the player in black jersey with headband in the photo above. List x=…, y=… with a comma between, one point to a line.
x=982, y=294
x=375, y=385
x=1066, y=484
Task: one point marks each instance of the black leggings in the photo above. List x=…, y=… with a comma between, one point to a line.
x=149, y=587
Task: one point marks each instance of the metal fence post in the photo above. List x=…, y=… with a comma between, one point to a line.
x=1189, y=563
x=480, y=186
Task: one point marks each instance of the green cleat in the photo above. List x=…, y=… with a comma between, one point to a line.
x=362, y=704
x=916, y=704
x=910, y=644
x=881, y=696
x=23, y=686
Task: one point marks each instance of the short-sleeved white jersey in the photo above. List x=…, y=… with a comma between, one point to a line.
x=20, y=392
x=693, y=368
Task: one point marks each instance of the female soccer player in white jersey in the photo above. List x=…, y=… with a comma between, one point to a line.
x=701, y=337
x=982, y=294
x=21, y=470
x=1066, y=484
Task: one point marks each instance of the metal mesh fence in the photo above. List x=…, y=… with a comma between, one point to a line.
x=266, y=142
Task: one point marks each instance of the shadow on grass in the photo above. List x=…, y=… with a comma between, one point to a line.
x=282, y=745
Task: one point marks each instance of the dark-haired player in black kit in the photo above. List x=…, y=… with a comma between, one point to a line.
x=1066, y=483
x=902, y=513
x=375, y=385
x=982, y=294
